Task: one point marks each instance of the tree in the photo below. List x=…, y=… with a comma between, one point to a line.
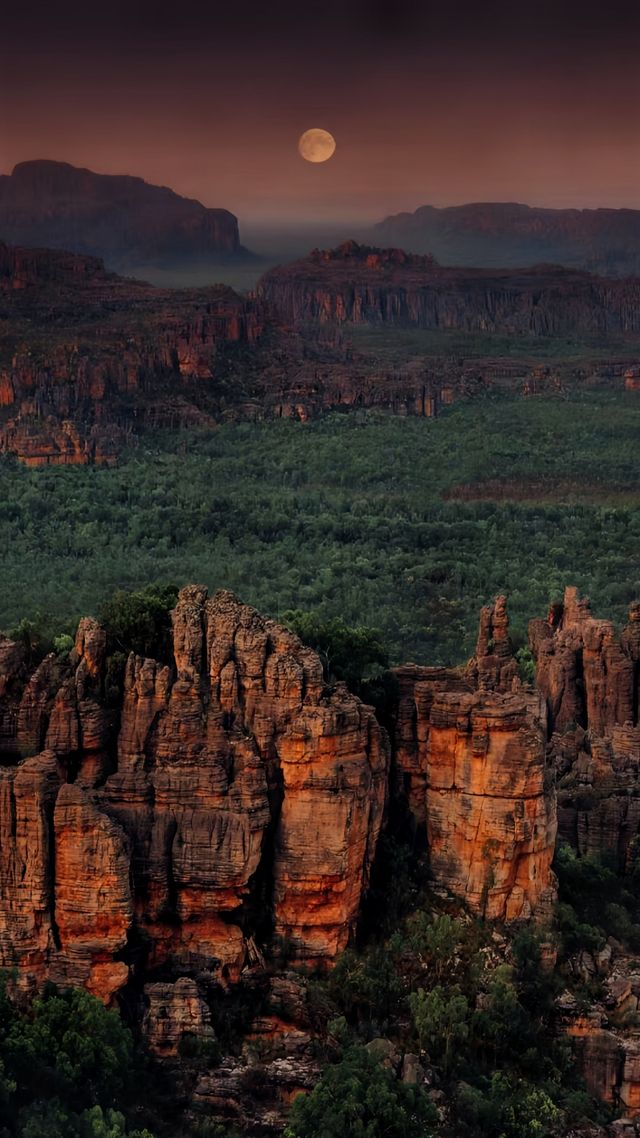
x=361, y=1099
x=71, y=1047
x=353, y=654
x=67, y=1066
x=441, y=1020
x=505, y=1109
x=435, y=940
x=368, y=986
x=96, y=1123
x=140, y=621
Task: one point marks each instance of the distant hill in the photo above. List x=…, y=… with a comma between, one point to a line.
x=122, y=219
x=508, y=235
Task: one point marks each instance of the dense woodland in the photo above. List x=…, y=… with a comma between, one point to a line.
x=407, y=526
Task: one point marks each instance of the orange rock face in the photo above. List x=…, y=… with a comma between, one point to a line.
x=471, y=761
x=590, y=678
x=242, y=796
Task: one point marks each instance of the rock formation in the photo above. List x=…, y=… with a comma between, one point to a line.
x=240, y=795
x=231, y=804
x=604, y=1035
x=122, y=219
x=119, y=357
x=365, y=285
x=509, y=234
x=590, y=679
x=470, y=759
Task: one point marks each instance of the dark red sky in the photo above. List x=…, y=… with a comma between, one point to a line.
x=438, y=103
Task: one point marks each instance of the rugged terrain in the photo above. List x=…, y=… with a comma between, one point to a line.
x=363, y=284
x=231, y=780
x=508, y=234
x=89, y=360
x=225, y=804
x=120, y=218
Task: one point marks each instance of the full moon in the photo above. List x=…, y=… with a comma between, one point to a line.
x=316, y=145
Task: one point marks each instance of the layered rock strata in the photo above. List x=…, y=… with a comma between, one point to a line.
x=590, y=679
x=589, y=675
x=89, y=361
x=239, y=795
x=361, y=284
x=471, y=762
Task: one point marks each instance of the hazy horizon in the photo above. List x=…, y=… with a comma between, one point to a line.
x=427, y=105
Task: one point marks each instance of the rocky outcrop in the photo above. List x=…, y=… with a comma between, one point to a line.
x=122, y=219
x=605, y=1037
x=590, y=677
x=240, y=796
x=174, y=1014
x=365, y=285
x=122, y=357
x=471, y=763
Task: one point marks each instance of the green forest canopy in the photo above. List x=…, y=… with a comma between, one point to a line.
x=404, y=525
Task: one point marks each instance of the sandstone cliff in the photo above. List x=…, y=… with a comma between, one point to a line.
x=239, y=796
x=89, y=361
x=470, y=759
x=590, y=679
x=364, y=285
x=89, y=356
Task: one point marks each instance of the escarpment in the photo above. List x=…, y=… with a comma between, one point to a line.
x=365, y=285
x=90, y=361
x=239, y=797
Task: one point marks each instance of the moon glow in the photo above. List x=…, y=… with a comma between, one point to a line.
x=316, y=145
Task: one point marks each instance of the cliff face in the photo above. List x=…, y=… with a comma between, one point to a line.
x=510, y=234
x=590, y=679
x=122, y=219
x=240, y=795
x=363, y=285
x=90, y=360
x=470, y=759
x=88, y=355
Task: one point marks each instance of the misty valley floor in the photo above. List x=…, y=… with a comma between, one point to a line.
x=407, y=525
